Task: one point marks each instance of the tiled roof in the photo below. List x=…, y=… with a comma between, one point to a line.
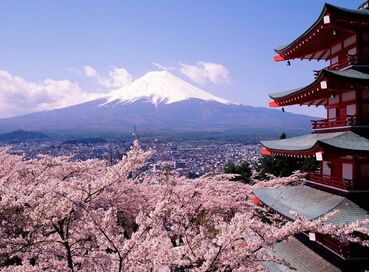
x=345, y=140
x=310, y=203
x=354, y=73
x=331, y=9
x=300, y=257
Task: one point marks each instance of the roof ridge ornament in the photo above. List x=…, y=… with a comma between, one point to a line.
x=364, y=6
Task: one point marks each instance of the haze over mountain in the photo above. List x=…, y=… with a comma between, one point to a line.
x=159, y=101
x=21, y=136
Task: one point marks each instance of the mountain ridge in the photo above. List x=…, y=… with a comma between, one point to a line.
x=154, y=103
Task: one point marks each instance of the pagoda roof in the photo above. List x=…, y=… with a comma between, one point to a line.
x=316, y=35
x=311, y=204
x=311, y=91
x=346, y=140
x=299, y=256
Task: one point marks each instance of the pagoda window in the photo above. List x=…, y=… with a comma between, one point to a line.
x=347, y=171
x=349, y=41
x=351, y=109
x=336, y=48
x=352, y=51
x=348, y=96
x=326, y=168
x=332, y=113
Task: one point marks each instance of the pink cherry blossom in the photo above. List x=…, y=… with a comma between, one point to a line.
x=60, y=215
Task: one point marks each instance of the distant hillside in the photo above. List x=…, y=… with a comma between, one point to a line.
x=86, y=141
x=22, y=135
x=159, y=102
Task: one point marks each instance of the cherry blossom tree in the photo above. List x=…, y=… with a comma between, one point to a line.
x=60, y=215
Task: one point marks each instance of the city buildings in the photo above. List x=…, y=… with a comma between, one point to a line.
x=188, y=158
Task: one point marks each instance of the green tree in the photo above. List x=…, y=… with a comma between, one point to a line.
x=281, y=166
x=242, y=170
x=192, y=175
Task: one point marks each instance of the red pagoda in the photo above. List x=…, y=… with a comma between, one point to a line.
x=340, y=142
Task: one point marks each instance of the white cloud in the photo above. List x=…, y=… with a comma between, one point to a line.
x=162, y=67
x=89, y=71
x=118, y=78
x=18, y=96
x=203, y=72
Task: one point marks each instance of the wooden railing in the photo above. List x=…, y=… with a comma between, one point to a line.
x=347, y=61
x=340, y=65
x=349, y=120
x=340, y=183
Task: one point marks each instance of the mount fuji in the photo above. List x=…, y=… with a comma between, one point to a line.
x=161, y=87
x=157, y=102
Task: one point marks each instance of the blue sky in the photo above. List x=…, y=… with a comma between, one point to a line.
x=45, y=46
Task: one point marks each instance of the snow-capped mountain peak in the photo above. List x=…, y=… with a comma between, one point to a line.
x=158, y=102
x=161, y=87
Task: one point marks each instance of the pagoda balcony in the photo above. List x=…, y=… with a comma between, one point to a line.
x=339, y=183
x=347, y=61
x=349, y=120
x=340, y=65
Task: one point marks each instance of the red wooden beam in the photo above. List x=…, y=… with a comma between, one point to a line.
x=320, y=102
x=273, y=104
x=278, y=58
x=255, y=200
x=312, y=56
x=322, y=55
x=265, y=151
x=311, y=103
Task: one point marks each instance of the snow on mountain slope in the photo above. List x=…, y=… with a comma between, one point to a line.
x=161, y=87
x=174, y=106
x=191, y=115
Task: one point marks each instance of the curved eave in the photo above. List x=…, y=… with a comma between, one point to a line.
x=279, y=50
x=312, y=94
x=296, y=96
x=308, y=145
x=284, y=52
x=308, y=153
x=310, y=203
